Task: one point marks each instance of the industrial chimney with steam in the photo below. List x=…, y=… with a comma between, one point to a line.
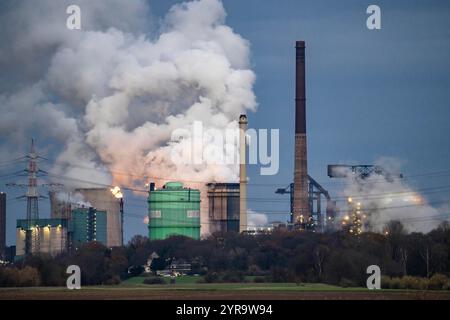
x=301, y=214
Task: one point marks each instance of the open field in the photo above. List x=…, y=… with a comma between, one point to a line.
x=134, y=290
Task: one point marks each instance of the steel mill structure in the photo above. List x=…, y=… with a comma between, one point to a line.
x=306, y=194
x=355, y=220
x=224, y=207
x=173, y=210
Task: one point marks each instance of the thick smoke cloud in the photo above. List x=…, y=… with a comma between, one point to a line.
x=385, y=198
x=107, y=98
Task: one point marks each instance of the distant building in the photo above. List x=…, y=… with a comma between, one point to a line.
x=258, y=230
x=87, y=225
x=177, y=267
x=104, y=200
x=2, y=225
x=54, y=236
x=100, y=198
x=147, y=266
x=50, y=236
x=223, y=207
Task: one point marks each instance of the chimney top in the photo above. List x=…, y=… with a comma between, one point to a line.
x=300, y=44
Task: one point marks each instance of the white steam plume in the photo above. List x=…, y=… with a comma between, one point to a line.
x=386, y=198
x=107, y=98
x=75, y=199
x=255, y=219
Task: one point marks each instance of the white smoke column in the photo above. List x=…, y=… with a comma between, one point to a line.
x=75, y=199
x=255, y=219
x=384, y=199
x=114, y=91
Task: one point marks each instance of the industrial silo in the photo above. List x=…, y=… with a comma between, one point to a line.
x=173, y=210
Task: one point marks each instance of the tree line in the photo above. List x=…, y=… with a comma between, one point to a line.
x=283, y=256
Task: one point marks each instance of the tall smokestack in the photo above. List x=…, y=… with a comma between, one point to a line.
x=301, y=212
x=242, y=173
x=2, y=226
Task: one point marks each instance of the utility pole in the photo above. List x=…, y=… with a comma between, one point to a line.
x=32, y=234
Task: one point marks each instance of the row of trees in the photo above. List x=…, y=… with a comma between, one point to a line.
x=98, y=264
x=335, y=258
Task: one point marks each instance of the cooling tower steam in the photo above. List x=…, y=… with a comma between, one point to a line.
x=106, y=98
x=387, y=198
x=74, y=199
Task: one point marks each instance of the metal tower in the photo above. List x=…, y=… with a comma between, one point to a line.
x=315, y=191
x=32, y=234
x=32, y=195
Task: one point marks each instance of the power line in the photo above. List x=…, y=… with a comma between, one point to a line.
x=406, y=219
x=140, y=176
x=367, y=196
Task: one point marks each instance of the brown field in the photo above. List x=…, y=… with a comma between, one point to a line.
x=215, y=293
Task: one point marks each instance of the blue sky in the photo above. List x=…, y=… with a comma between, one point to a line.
x=370, y=93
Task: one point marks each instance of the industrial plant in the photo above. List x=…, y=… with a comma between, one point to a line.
x=41, y=236
x=175, y=209
x=111, y=202
x=223, y=207
x=99, y=218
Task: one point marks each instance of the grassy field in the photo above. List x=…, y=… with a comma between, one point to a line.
x=180, y=280
x=187, y=288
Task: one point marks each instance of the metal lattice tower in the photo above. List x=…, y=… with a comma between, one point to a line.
x=32, y=234
x=32, y=195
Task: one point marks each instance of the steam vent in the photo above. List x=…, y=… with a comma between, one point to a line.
x=173, y=210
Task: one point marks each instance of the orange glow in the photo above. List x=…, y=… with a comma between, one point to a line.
x=116, y=192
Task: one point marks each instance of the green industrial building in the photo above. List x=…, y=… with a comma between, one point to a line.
x=86, y=225
x=173, y=210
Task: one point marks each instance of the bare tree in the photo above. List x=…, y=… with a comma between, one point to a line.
x=320, y=252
